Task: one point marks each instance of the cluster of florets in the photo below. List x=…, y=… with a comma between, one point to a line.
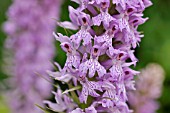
x=31, y=51
x=97, y=54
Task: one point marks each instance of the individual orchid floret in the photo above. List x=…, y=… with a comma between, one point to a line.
x=130, y=38
x=63, y=102
x=147, y=3
x=81, y=35
x=121, y=107
x=104, y=17
x=77, y=110
x=110, y=96
x=79, y=18
x=106, y=40
x=121, y=3
x=104, y=4
x=73, y=57
x=123, y=22
x=118, y=64
x=136, y=19
x=60, y=75
x=92, y=65
x=83, y=3
x=89, y=88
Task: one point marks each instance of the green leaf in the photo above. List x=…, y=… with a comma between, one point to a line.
x=53, y=110
x=45, y=111
x=46, y=79
x=72, y=89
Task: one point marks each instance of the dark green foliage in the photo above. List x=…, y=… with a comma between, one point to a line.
x=3, y=7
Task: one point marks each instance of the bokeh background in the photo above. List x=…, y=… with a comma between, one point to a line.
x=155, y=46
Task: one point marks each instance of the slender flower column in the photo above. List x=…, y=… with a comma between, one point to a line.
x=99, y=55
x=148, y=89
x=29, y=29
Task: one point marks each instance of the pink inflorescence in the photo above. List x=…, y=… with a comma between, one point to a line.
x=99, y=55
x=148, y=89
x=29, y=29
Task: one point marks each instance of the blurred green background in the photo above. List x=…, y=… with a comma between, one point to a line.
x=155, y=46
